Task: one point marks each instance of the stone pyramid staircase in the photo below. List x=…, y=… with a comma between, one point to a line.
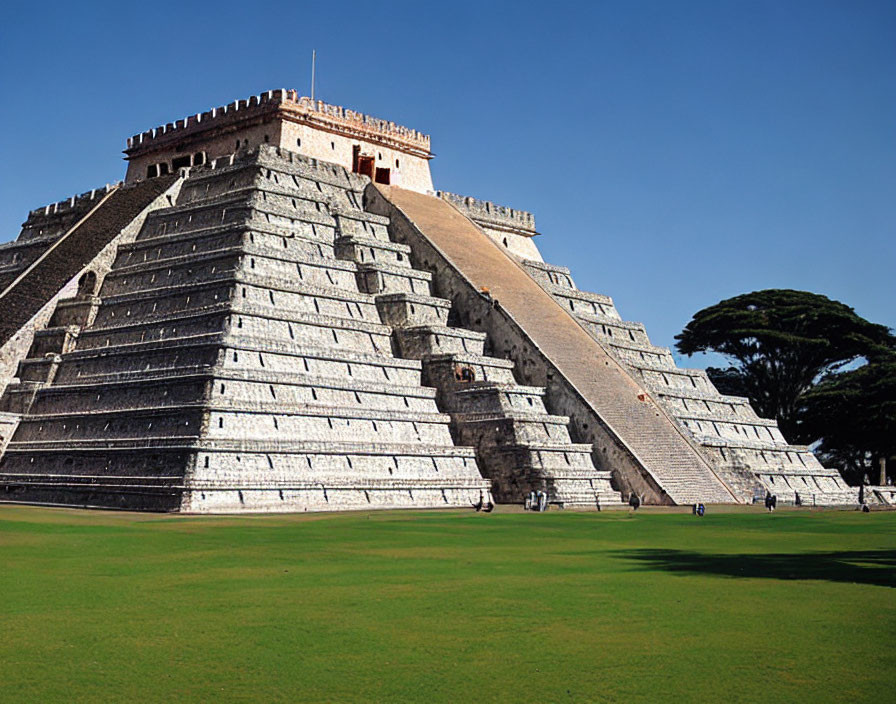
x=38, y=369
x=632, y=435
x=749, y=452
x=234, y=364
x=519, y=445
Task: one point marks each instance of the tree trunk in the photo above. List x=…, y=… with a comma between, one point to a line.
x=883, y=471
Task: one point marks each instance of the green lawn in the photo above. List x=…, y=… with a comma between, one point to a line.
x=447, y=606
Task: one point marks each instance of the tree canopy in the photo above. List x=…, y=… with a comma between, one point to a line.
x=854, y=414
x=782, y=344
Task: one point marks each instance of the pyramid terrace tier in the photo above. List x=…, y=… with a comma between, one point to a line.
x=256, y=389
x=221, y=264
x=404, y=309
x=289, y=301
x=777, y=459
x=265, y=238
x=381, y=277
x=547, y=274
x=422, y=341
x=584, y=302
x=260, y=291
x=239, y=476
x=564, y=471
x=759, y=434
x=276, y=170
x=219, y=418
x=510, y=427
x=491, y=397
x=368, y=249
x=175, y=357
x=281, y=215
x=242, y=322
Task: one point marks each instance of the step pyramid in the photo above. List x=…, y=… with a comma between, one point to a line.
x=276, y=312
x=234, y=363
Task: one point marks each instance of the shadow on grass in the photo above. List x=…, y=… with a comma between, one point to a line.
x=876, y=567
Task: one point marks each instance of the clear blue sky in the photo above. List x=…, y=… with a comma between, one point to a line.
x=674, y=153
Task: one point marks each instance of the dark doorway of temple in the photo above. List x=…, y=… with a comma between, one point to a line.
x=365, y=166
x=362, y=164
x=383, y=176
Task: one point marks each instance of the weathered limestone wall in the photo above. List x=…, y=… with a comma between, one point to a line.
x=201, y=148
x=282, y=118
x=512, y=229
x=407, y=171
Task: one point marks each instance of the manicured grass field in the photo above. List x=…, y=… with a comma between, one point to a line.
x=443, y=606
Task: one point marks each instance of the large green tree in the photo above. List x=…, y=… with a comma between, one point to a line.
x=781, y=343
x=854, y=415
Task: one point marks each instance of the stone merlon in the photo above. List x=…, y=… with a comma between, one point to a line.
x=288, y=103
x=379, y=148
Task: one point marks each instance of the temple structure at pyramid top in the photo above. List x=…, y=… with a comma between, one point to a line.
x=385, y=152
x=276, y=311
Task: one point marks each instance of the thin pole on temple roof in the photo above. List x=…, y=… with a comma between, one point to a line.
x=313, y=62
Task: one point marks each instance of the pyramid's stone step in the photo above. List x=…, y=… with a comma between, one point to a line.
x=492, y=397
x=422, y=341
x=299, y=243
x=240, y=289
x=451, y=372
x=40, y=370
x=742, y=415
x=692, y=394
x=370, y=249
x=270, y=205
x=76, y=311
x=331, y=471
x=546, y=273
x=18, y=397
x=219, y=418
x=768, y=444
x=381, y=277
x=249, y=463
x=292, y=213
x=606, y=326
x=510, y=428
x=175, y=357
x=257, y=389
x=350, y=497
x=242, y=321
x=572, y=457
x=585, y=301
x=218, y=265
x=404, y=309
